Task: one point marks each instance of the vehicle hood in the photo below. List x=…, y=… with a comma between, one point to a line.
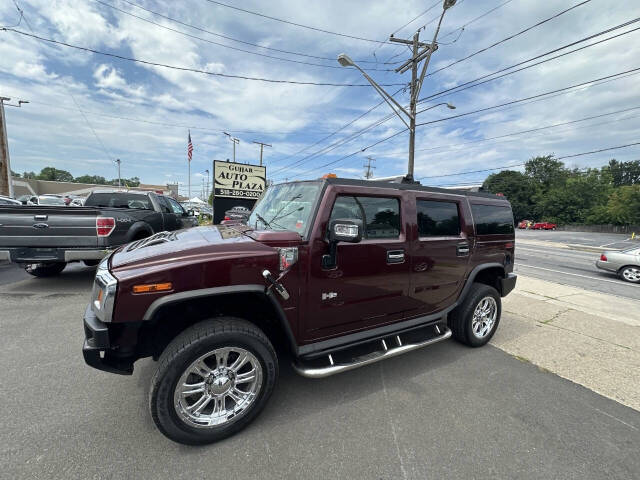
x=204, y=243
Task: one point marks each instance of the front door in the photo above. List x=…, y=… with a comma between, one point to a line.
x=369, y=286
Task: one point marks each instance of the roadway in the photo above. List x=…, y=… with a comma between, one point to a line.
x=571, y=267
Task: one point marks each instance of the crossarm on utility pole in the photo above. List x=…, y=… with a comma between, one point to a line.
x=432, y=49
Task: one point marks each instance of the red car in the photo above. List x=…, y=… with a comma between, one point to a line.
x=524, y=224
x=544, y=226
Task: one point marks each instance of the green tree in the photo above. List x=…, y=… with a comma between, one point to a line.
x=575, y=200
x=29, y=175
x=51, y=173
x=97, y=179
x=546, y=172
x=518, y=188
x=623, y=206
x=624, y=173
x=15, y=174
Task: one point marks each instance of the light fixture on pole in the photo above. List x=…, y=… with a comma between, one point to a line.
x=235, y=141
x=420, y=51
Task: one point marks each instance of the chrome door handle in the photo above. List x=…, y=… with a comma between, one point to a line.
x=395, y=256
x=462, y=249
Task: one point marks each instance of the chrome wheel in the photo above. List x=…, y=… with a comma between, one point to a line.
x=484, y=317
x=631, y=274
x=218, y=388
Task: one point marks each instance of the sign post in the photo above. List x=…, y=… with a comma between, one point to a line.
x=236, y=185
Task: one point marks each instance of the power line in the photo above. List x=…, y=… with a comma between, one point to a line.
x=194, y=70
x=226, y=37
x=530, y=130
x=524, y=163
x=528, y=98
x=462, y=27
x=288, y=22
x=177, y=125
x=471, y=83
x=259, y=54
x=510, y=37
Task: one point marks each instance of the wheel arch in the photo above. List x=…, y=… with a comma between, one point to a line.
x=168, y=316
x=486, y=273
x=137, y=229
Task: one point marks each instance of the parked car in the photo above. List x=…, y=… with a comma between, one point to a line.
x=524, y=224
x=45, y=238
x=544, y=226
x=626, y=264
x=9, y=201
x=237, y=213
x=341, y=273
x=46, y=200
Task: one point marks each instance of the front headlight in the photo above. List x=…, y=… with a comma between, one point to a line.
x=104, y=292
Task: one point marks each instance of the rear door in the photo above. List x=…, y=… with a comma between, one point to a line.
x=440, y=254
x=40, y=226
x=170, y=221
x=370, y=285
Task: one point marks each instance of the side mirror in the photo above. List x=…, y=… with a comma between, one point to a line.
x=341, y=230
x=190, y=213
x=345, y=230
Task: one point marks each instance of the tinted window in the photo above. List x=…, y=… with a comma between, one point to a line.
x=119, y=200
x=175, y=206
x=437, y=218
x=51, y=201
x=380, y=216
x=491, y=219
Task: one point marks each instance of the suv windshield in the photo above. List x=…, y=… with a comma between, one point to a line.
x=287, y=206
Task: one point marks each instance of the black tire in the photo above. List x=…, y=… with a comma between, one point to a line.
x=623, y=275
x=461, y=318
x=91, y=263
x=187, y=347
x=44, y=269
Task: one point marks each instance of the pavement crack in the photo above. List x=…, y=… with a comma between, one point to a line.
x=393, y=428
x=555, y=317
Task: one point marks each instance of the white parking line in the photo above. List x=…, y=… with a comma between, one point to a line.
x=618, y=282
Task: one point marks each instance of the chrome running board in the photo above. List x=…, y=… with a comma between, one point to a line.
x=409, y=344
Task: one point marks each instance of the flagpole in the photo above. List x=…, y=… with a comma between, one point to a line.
x=189, y=162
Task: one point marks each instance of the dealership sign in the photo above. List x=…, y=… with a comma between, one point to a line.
x=237, y=180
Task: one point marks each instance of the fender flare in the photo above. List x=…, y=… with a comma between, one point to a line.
x=138, y=227
x=220, y=291
x=474, y=273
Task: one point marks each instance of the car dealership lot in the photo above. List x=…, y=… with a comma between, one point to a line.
x=445, y=411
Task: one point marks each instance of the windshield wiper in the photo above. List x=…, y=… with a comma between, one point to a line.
x=273, y=220
x=295, y=197
x=261, y=218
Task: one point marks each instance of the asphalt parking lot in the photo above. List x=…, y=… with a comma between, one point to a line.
x=446, y=411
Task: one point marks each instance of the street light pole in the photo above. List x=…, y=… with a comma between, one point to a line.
x=235, y=141
x=118, y=162
x=416, y=83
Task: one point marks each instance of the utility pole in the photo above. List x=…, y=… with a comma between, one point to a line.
x=6, y=179
x=369, y=174
x=235, y=141
x=118, y=162
x=262, y=145
x=420, y=51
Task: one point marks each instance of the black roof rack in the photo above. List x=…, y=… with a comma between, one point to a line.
x=409, y=186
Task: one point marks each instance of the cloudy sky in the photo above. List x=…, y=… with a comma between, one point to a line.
x=87, y=109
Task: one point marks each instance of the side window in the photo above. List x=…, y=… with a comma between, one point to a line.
x=492, y=219
x=164, y=205
x=437, y=218
x=380, y=216
x=175, y=206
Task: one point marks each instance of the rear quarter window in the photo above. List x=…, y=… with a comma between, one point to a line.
x=492, y=219
x=437, y=218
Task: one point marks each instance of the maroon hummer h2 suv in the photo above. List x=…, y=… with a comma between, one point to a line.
x=334, y=273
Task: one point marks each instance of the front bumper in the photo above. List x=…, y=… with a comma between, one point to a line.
x=44, y=255
x=97, y=351
x=507, y=284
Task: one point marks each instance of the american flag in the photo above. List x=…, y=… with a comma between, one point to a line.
x=189, y=147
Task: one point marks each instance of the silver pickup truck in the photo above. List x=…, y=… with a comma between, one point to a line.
x=45, y=238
